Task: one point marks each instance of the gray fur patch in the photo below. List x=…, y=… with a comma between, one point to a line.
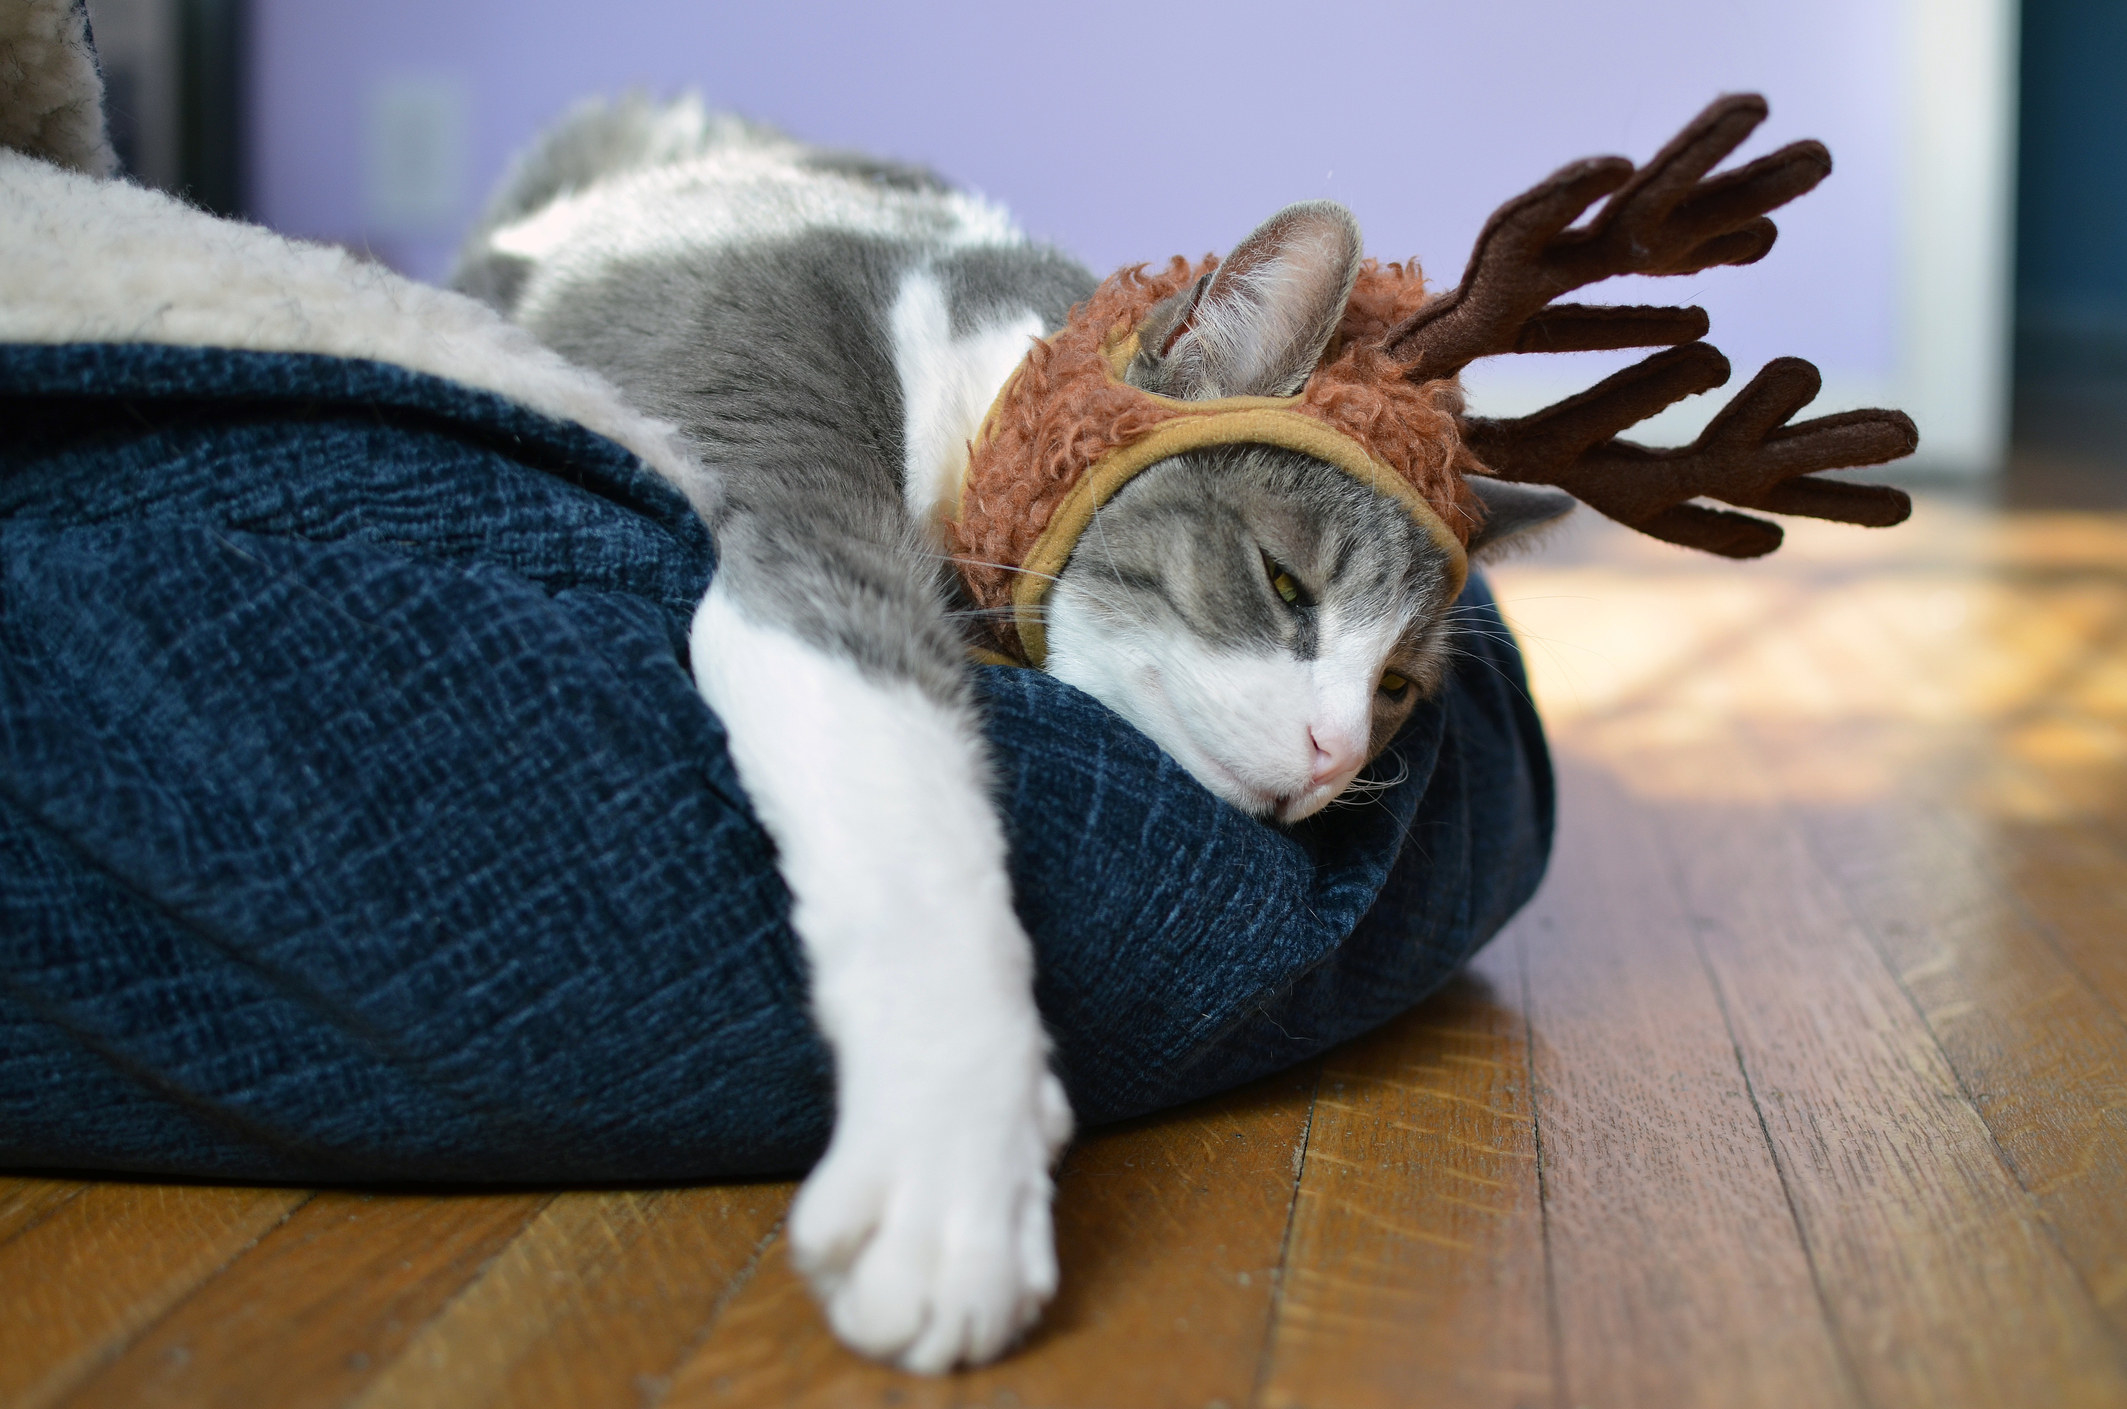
x=1198, y=539
x=496, y=279
x=985, y=285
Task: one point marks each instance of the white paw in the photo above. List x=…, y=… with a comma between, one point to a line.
x=925, y=1231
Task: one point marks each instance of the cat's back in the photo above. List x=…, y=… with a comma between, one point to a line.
x=730, y=278
x=632, y=181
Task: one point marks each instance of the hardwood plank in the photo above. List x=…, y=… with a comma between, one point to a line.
x=1942, y=1282
x=25, y=1200
x=2010, y=1000
x=2075, y=881
x=1416, y=1263
x=1168, y=1231
x=1678, y=1271
x=2042, y=1056
x=105, y=1264
x=591, y=1305
x=2047, y=770
x=318, y=1306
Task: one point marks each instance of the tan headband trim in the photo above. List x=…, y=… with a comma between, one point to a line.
x=1234, y=421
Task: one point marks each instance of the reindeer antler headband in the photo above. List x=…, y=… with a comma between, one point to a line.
x=1067, y=433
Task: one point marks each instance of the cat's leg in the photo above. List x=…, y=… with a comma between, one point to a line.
x=925, y=1230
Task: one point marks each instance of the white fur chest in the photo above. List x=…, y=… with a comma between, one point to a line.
x=947, y=385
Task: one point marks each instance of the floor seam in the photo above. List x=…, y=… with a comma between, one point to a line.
x=1292, y=1217
x=1553, y=1325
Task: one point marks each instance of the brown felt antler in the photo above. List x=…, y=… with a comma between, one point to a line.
x=1748, y=456
x=1667, y=217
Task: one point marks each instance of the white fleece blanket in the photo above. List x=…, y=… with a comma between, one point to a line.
x=85, y=258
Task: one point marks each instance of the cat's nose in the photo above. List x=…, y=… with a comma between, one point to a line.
x=1335, y=754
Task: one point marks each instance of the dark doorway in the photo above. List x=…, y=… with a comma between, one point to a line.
x=175, y=92
x=2071, y=262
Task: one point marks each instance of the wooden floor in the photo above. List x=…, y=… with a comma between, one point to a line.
x=1803, y=1083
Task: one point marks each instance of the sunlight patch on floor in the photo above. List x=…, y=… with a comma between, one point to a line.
x=1989, y=646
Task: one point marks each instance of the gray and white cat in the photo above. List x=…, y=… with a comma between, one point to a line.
x=827, y=331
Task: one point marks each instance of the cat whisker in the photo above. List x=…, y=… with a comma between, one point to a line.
x=985, y=563
x=1366, y=792
x=1382, y=785
x=1491, y=665
x=1100, y=525
x=1028, y=572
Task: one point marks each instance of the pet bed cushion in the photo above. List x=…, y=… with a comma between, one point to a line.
x=359, y=819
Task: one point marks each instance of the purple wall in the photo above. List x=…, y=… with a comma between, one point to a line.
x=1131, y=131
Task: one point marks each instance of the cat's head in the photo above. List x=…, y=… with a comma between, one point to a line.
x=1263, y=616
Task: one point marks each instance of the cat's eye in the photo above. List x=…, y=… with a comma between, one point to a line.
x=1283, y=582
x=1393, y=685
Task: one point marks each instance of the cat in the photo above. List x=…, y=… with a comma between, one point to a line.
x=827, y=330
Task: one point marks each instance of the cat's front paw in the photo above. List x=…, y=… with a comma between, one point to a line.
x=925, y=1232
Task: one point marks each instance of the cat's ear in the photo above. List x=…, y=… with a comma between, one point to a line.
x=1258, y=326
x=1512, y=513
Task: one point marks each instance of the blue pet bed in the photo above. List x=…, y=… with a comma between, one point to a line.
x=359, y=820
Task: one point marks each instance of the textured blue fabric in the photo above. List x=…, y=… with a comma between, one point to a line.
x=359, y=819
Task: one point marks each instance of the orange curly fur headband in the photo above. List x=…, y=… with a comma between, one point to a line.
x=1067, y=433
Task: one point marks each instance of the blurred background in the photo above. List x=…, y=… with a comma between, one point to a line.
x=1967, y=261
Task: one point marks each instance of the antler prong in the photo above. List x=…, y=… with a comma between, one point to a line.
x=1581, y=327
x=1675, y=175
x=1747, y=456
x=1710, y=530
x=1745, y=246
x=1870, y=505
x=1545, y=446
x=1758, y=187
x=1484, y=313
